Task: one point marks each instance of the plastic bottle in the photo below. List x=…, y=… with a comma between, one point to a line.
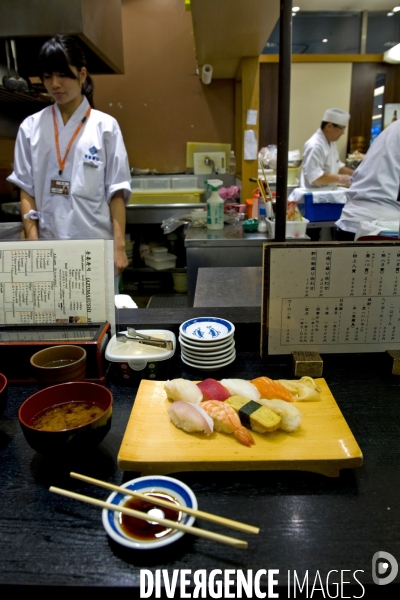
x=215, y=205
x=262, y=223
x=232, y=163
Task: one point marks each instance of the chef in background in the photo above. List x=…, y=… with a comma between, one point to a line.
x=321, y=163
x=374, y=192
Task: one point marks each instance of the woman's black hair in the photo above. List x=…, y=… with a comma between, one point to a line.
x=56, y=56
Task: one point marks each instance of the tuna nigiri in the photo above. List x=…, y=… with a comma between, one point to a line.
x=272, y=389
x=213, y=390
x=183, y=389
x=190, y=417
x=226, y=421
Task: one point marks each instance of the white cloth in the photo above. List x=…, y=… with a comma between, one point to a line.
x=375, y=183
x=319, y=157
x=321, y=196
x=96, y=167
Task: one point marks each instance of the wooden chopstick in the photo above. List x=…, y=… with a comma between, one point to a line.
x=204, y=533
x=190, y=511
x=266, y=181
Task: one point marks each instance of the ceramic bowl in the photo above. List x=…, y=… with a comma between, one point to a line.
x=59, y=364
x=3, y=393
x=71, y=439
x=166, y=486
x=206, y=329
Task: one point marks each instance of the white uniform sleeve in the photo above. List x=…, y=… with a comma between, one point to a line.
x=22, y=175
x=117, y=176
x=312, y=167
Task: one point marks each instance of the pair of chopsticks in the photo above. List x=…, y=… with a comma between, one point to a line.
x=204, y=533
x=262, y=188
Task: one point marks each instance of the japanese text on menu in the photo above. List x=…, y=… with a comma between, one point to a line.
x=337, y=299
x=52, y=282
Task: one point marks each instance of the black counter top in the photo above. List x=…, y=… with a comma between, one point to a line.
x=309, y=522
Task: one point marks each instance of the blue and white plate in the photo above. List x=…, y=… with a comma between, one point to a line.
x=206, y=329
x=210, y=365
x=202, y=347
x=152, y=483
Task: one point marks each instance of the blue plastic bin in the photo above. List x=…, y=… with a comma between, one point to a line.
x=319, y=212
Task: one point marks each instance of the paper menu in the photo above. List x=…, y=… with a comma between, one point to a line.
x=56, y=281
x=331, y=298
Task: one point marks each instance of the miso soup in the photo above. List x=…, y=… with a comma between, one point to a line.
x=67, y=416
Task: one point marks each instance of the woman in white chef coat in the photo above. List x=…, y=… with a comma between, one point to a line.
x=70, y=161
x=374, y=192
x=321, y=163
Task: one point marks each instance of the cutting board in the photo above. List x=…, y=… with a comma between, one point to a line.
x=151, y=444
x=200, y=167
x=192, y=147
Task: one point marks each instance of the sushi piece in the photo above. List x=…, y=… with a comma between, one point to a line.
x=270, y=389
x=241, y=387
x=183, y=389
x=303, y=390
x=226, y=421
x=253, y=415
x=289, y=413
x=190, y=417
x=213, y=390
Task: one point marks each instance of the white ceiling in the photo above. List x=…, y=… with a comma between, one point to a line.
x=352, y=5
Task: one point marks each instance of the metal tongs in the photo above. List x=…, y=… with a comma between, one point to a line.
x=132, y=334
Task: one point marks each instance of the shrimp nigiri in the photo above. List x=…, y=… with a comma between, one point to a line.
x=271, y=389
x=226, y=420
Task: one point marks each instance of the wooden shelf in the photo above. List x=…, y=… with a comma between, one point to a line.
x=229, y=30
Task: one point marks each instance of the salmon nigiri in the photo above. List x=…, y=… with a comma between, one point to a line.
x=271, y=389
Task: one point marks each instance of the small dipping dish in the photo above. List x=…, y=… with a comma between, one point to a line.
x=72, y=423
x=59, y=364
x=147, y=535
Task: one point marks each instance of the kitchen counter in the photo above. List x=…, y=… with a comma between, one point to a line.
x=227, y=247
x=228, y=286
x=309, y=522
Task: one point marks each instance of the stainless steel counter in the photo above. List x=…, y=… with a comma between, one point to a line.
x=228, y=286
x=142, y=214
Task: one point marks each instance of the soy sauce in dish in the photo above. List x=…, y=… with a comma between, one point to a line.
x=148, y=530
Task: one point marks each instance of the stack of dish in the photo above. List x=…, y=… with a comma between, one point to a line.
x=207, y=343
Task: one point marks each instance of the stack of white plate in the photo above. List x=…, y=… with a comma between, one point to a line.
x=207, y=343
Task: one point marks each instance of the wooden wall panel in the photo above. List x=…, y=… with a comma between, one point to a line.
x=269, y=75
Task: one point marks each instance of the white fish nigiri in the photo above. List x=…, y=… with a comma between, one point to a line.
x=183, y=389
x=241, y=387
x=289, y=413
x=190, y=417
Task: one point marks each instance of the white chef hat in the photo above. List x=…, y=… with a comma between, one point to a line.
x=337, y=116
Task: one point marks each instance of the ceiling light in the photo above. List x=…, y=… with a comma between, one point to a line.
x=396, y=9
x=392, y=55
x=379, y=90
x=324, y=40
x=390, y=14
x=377, y=117
x=297, y=8
x=380, y=105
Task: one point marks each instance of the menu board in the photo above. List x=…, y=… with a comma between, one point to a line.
x=56, y=281
x=331, y=297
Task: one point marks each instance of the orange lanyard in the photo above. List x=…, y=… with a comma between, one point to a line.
x=61, y=161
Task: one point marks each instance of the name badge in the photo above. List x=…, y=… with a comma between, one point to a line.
x=60, y=187
x=91, y=164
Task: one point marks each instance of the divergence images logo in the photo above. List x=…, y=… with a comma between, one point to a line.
x=384, y=564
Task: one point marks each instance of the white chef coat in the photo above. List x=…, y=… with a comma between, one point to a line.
x=96, y=167
x=374, y=186
x=319, y=157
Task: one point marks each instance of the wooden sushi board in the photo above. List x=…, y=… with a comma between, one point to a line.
x=151, y=444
